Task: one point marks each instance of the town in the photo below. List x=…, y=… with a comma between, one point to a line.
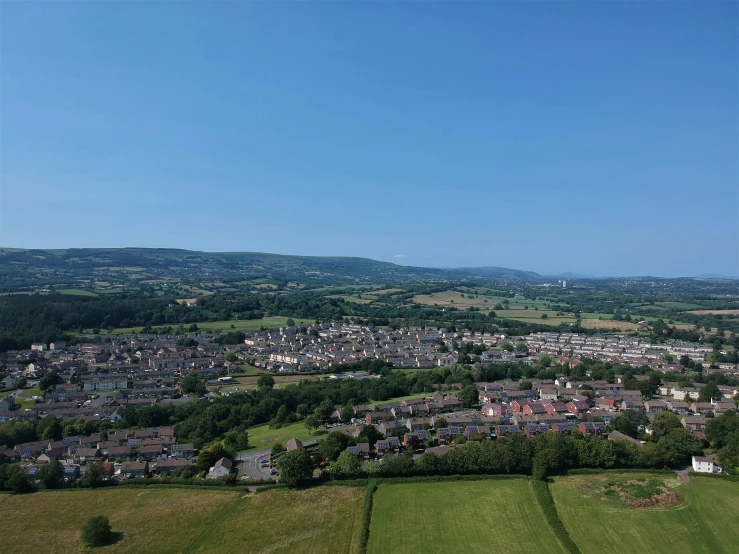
x=96, y=380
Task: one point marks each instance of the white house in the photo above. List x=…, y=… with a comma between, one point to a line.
x=706, y=464
x=221, y=469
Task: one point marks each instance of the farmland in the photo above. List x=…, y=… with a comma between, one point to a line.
x=467, y=516
x=705, y=520
x=609, y=324
x=714, y=312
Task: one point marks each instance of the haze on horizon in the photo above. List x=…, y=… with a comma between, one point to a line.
x=597, y=138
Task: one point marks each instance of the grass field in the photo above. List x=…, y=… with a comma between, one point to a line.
x=246, y=325
x=401, y=398
x=161, y=521
x=706, y=519
x=75, y=292
x=609, y=324
x=714, y=312
x=325, y=520
x=466, y=516
x=184, y=521
x=263, y=437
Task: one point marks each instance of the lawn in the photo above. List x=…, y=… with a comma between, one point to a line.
x=263, y=437
x=466, y=516
x=323, y=520
x=706, y=519
x=401, y=398
x=151, y=520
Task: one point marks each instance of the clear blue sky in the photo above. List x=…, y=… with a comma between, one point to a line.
x=594, y=137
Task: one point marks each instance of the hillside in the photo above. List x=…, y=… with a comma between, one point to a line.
x=33, y=268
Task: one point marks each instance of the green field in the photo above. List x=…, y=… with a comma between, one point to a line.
x=151, y=520
x=705, y=520
x=169, y=520
x=401, y=398
x=465, y=516
x=264, y=437
x=322, y=520
x=75, y=292
x=246, y=325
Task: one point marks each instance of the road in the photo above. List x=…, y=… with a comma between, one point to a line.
x=251, y=465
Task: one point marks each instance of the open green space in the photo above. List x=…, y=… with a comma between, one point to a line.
x=465, y=516
x=323, y=519
x=680, y=305
x=151, y=520
x=706, y=518
x=264, y=437
x=401, y=398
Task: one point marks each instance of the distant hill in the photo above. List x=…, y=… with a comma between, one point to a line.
x=20, y=268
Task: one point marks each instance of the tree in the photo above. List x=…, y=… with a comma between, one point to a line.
x=709, y=392
x=209, y=456
x=190, y=383
x=346, y=465
x=265, y=382
x=20, y=382
x=49, y=380
x=630, y=422
x=231, y=357
x=51, y=476
x=290, y=322
x=97, y=532
x=521, y=347
x=94, y=476
x=295, y=467
x=440, y=423
x=369, y=434
x=544, y=316
x=469, y=396
x=323, y=411
x=277, y=449
x=311, y=423
x=525, y=385
x=663, y=424
x=333, y=445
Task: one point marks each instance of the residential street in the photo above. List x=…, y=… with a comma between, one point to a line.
x=251, y=466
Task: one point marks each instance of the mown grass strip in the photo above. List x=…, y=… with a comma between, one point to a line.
x=369, y=496
x=544, y=498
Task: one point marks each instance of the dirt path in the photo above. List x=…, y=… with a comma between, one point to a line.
x=683, y=477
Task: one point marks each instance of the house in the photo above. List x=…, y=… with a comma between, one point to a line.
x=706, y=464
x=679, y=408
x=134, y=469
x=616, y=435
x=374, y=418
x=592, y=428
x=577, y=407
x=182, y=450
x=694, y=424
x=169, y=465
x=563, y=427
x=151, y=451
x=655, y=406
x=361, y=451
x=505, y=431
x=221, y=468
x=87, y=455
x=293, y=444
x=531, y=430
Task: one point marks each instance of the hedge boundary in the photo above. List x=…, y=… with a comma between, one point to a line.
x=369, y=497
x=544, y=498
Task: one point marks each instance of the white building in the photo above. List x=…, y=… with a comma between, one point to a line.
x=38, y=347
x=220, y=469
x=706, y=464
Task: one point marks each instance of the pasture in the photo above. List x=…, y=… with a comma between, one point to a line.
x=464, y=516
x=706, y=519
x=610, y=324
x=714, y=312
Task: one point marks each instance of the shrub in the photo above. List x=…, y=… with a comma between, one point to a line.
x=369, y=496
x=545, y=500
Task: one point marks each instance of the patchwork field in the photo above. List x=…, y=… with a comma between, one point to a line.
x=705, y=518
x=325, y=519
x=465, y=516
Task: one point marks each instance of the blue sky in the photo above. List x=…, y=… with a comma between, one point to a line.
x=596, y=137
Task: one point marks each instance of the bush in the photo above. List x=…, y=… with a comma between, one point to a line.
x=97, y=532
